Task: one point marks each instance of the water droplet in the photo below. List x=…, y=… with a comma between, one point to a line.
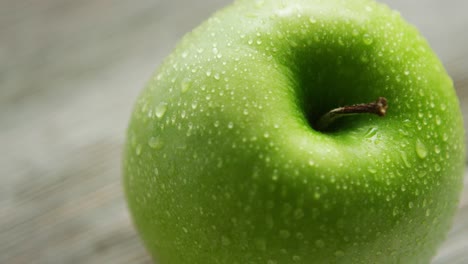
x=403, y=188
x=312, y=20
x=372, y=170
x=138, y=150
x=437, y=167
x=160, y=110
x=285, y=234
x=260, y=243
x=421, y=149
x=395, y=211
x=298, y=213
x=316, y=195
x=445, y=137
x=311, y=162
x=216, y=76
x=405, y=159
x=155, y=142
x=299, y=236
x=225, y=241
x=364, y=58
x=194, y=104
x=319, y=243
x=296, y=258
x=275, y=177
x=371, y=132
x=185, y=230
x=410, y=205
x=270, y=223
x=437, y=149
x=438, y=120
x=230, y=125
x=246, y=112
x=185, y=85
x=403, y=132
x=208, y=73
x=339, y=253
x=367, y=39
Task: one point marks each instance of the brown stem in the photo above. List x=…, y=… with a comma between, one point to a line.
x=379, y=107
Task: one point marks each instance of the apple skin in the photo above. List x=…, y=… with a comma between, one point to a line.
x=221, y=164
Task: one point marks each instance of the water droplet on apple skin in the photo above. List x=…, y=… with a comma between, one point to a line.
x=155, y=142
x=421, y=149
x=138, y=150
x=185, y=85
x=160, y=110
x=319, y=243
x=367, y=39
x=285, y=234
x=404, y=157
x=225, y=241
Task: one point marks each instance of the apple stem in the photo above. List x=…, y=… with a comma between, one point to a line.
x=378, y=107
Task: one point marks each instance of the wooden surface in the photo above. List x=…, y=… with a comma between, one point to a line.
x=69, y=74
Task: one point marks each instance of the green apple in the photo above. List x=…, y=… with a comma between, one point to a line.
x=225, y=162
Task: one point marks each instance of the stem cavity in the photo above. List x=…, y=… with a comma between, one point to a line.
x=378, y=107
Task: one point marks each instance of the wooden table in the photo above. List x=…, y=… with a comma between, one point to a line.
x=69, y=74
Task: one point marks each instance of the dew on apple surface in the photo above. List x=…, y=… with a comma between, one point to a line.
x=160, y=110
x=185, y=85
x=225, y=241
x=312, y=20
x=367, y=39
x=298, y=213
x=421, y=149
x=404, y=157
x=155, y=142
x=319, y=243
x=138, y=150
x=285, y=234
x=437, y=149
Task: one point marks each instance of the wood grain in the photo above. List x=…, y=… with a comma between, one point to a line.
x=69, y=74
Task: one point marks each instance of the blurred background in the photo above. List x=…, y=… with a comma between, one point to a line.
x=70, y=72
